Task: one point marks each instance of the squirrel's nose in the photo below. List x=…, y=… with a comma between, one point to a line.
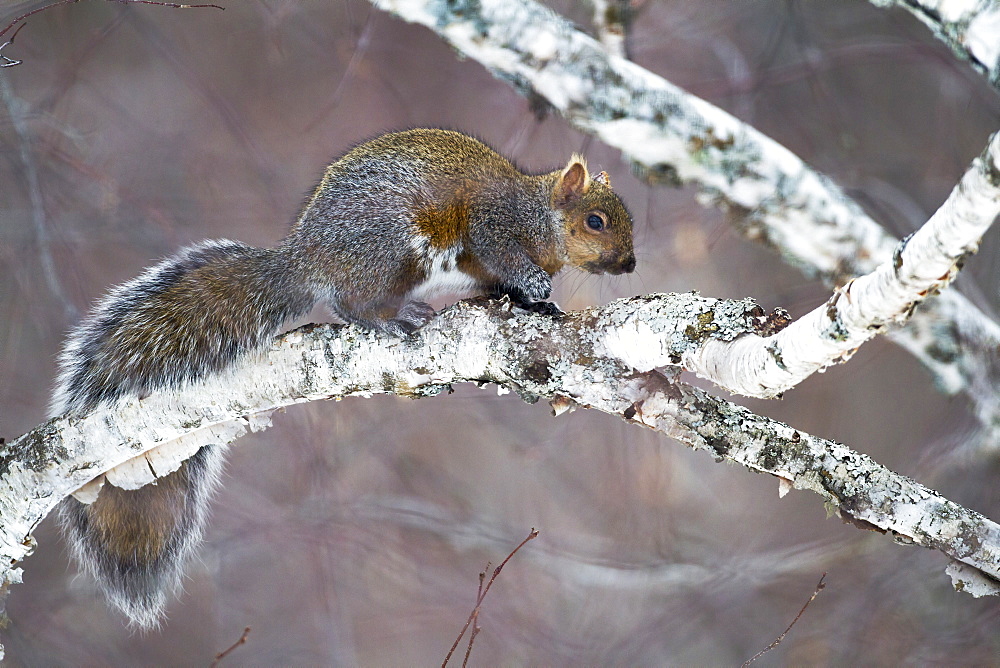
x=628, y=265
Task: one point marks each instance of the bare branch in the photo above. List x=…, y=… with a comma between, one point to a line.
x=970, y=29
x=229, y=650
x=923, y=264
x=673, y=136
x=480, y=596
x=8, y=62
x=777, y=641
x=857, y=488
x=480, y=341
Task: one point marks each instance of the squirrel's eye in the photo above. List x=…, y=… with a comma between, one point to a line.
x=595, y=222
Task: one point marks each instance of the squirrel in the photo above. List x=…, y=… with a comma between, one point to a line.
x=393, y=222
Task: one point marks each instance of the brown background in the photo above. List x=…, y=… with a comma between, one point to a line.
x=353, y=532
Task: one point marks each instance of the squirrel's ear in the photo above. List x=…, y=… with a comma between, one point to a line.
x=573, y=183
x=603, y=178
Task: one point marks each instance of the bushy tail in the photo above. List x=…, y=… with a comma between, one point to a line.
x=135, y=542
x=189, y=316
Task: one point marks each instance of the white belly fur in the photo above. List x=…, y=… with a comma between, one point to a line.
x=441, y=281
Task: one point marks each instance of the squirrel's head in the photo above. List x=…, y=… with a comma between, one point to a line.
x=597, y=226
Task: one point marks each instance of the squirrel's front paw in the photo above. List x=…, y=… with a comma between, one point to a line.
x=535, y=286
x=410, y=317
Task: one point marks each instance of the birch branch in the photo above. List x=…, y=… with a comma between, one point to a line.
x=611, y=21
x=566, y=359
x=678, y=138
x=970, y=29
x=923, y=264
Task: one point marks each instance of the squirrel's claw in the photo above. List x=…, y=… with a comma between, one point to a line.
x=542, y=308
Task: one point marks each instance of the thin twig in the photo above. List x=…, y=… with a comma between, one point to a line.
x=22, y=17
x=9, y=62
x=476, y=628
x=224, y=653
x=819, y=587
x=475, y=616
x=32, y=13
x=166, y=4
x=480, y=595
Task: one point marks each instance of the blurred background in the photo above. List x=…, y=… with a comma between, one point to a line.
x=352, y=533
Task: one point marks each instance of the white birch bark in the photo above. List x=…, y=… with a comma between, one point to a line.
x=566, y=359
x=611, y=24
x=970, y=28
x=923, y=264
x=676, y=137
x=672, y=134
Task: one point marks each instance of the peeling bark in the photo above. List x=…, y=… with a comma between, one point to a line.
x=566, y=359
x=923, y=264
x=604, y=358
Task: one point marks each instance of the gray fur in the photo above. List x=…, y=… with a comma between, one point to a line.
x=96, y=369
x=136, y=587
x=357, y=246
x=395, y=174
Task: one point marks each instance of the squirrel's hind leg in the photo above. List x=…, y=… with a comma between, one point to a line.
x=388, y=317
x=410, y=317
